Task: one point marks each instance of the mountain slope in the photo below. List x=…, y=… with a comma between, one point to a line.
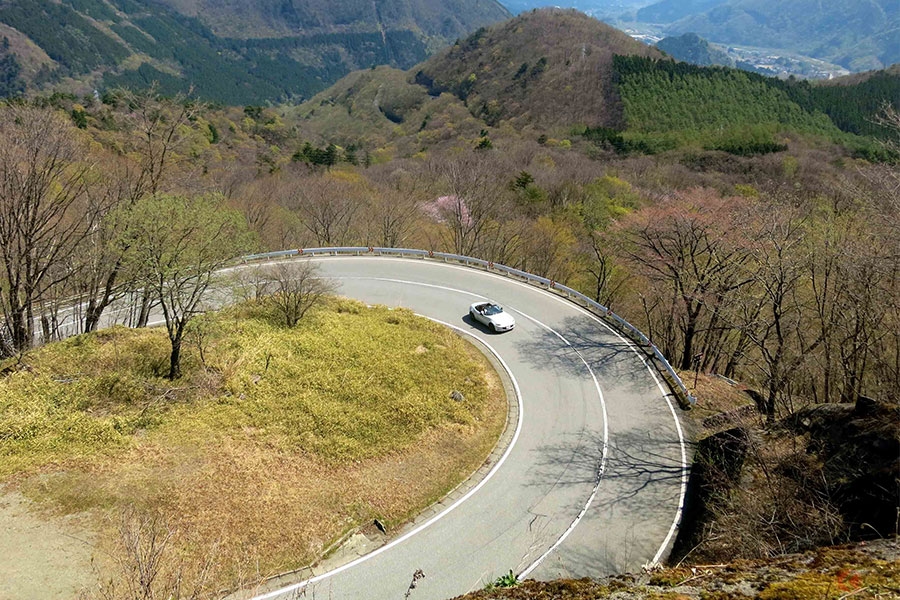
x=691, y=48
x=557, y=73
x=858, y=35
x=282, y=18
x=546, y=67
x=95, y=44
x=668, y=11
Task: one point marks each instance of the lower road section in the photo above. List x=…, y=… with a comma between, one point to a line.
x=594, y=480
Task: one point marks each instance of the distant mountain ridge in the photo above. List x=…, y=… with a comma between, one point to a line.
x=859, y=35
x=691, y=48
x=555, y=75
x=244, y=19
x=669, y=11
x=234, y=52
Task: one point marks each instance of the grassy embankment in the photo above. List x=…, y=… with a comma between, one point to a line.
x=861, y=572
x=273, y=444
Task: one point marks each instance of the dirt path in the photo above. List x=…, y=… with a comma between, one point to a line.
x=42, y=557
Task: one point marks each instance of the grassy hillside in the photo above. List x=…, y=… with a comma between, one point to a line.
x=290, y=437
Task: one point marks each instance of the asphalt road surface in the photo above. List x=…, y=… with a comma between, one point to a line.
x=593, y=481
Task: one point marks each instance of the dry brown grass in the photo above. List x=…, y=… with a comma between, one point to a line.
x=271, y=511
x=251, y=492
x=716, y=400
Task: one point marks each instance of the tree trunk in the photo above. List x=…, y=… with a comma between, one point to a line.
x=690, y=331
x=770, y=402
x=22, y=332
x=92, y=315
x=144, y=316
x=175, y=359
x=97, y=306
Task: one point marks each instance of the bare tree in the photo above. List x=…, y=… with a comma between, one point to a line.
x=688, y=245
x=473, y=201
x=601, y=269
x=780, y=331
x=882, y=194
x=41, y=216
x=177, y=244
x=326, y=206
x=161, y=127
x=390, y=214
x=546, y=249
x=850, y=274
x=147, y=567
x=101, y=279
x=295, y=287
x=598, y=203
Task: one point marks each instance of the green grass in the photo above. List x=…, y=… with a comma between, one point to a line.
x=275, y=442
x=348, y=383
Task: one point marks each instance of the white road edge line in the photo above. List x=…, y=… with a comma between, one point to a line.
x=684, y=465
x=651, y=370
x=603, y=455
x=602, y=466
x=439, y=516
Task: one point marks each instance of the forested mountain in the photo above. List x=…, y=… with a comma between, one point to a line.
x=443, y=21
x=555, y=72
x=547, y=67
x=235, y=53
x=692, y=48
x=857, y=35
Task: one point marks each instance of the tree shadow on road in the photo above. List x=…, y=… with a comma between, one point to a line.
x=639, y=494
x=609, y=356
x=635, y=463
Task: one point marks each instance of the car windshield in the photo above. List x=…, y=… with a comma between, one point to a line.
x=492, y=309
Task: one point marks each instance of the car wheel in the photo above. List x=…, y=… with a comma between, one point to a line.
x=492, y=327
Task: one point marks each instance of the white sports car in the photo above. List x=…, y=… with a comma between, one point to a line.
x=492, y=315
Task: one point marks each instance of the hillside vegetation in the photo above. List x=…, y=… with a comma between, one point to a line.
x=709, y=104
x=285, y=453
x=548, y=67
x=578, y=76
x=868, y=572
x=266, y=52
x=560, y=73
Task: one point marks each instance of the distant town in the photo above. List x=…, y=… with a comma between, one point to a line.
x=767, y=61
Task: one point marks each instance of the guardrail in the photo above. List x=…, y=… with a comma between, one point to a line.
x=685, y=399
